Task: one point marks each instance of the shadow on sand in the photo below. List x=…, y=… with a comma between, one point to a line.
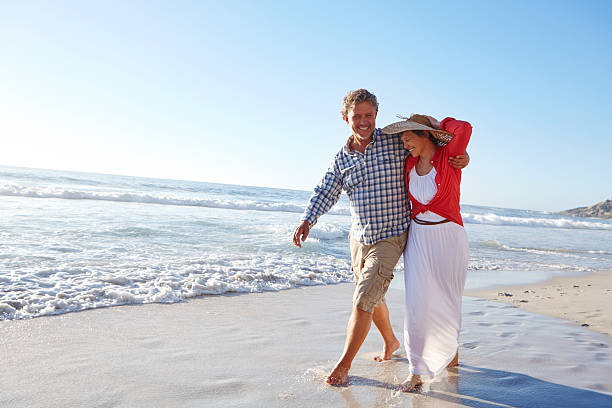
x=480, y=388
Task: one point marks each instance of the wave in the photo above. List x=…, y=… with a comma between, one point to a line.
x=553, y=251
x=329, y=232
x=516, y=266
x=29, y=176
x=494, y=219
x=33, y=192
x=246, y=204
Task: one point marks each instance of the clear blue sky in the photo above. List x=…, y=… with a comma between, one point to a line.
x=250, y=92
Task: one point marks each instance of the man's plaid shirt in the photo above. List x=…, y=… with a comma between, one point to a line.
x=374, y=182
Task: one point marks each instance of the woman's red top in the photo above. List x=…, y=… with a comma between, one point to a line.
x=448, y=179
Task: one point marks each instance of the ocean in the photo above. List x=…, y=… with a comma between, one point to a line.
x=75, y=241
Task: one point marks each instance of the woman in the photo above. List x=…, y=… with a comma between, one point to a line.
x=436, y=256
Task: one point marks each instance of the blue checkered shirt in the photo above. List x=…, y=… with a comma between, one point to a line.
x=374, y=182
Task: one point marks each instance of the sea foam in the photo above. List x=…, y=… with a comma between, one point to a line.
x=60, y=290
x=73, y=241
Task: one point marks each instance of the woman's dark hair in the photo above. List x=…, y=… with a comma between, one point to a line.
x=424, y=133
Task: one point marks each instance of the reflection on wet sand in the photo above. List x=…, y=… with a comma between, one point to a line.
x=384, y=387
x=465, y=386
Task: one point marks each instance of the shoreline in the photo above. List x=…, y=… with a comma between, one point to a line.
x=584, y=300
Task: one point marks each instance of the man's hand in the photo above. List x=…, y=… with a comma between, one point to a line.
x=459, y=162
x=301, y=233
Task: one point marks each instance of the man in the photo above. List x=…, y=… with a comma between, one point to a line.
x=370, y=169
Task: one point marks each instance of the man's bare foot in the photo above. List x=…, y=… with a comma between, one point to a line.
x=338, y=376
x=388, y=350
x=411, y=384
x=455, y=361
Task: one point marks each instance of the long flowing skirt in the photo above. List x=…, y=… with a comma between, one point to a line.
x=435, y=264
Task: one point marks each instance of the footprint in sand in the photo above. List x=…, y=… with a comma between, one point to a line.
x=578, y=368
x=298, y=322
x=540, y=359
x=600, y=345
x=150, y=343
x=477, y=313
x=471, y=346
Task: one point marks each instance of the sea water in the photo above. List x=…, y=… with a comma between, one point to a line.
x=74, y=241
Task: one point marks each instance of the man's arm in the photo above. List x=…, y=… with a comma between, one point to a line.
x=460, y=161
x=325, y=195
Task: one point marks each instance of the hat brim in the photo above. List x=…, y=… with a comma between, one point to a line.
x=441, y=136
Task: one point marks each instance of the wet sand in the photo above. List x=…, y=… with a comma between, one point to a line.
x=274, y=350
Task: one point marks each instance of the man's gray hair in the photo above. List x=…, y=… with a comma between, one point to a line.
x=354, y=97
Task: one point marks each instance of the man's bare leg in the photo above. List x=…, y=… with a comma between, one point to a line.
x=383, y=324
x=356, y=332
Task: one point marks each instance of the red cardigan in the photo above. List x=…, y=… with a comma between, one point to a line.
x=446, y=201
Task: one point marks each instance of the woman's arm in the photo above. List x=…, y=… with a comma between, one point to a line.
x=461, y=130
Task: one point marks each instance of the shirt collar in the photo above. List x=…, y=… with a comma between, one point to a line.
x=375, y=136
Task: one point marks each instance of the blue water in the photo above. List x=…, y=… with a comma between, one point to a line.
x=72, y=241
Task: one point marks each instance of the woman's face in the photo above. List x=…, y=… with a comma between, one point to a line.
x=414, y=143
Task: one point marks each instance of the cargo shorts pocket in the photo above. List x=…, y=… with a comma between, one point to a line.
x=375, y=281
x=386, y=265
x=385, y=273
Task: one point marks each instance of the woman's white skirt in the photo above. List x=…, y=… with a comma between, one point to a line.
x=435, y=264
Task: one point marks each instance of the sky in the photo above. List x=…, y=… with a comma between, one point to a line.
x=250, y=92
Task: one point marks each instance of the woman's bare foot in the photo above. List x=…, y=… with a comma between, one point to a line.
x=338, y=376
x=388, y=350
x=411, y=384
x=455, y=361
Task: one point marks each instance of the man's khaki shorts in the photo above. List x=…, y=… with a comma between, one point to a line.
x=372, y=266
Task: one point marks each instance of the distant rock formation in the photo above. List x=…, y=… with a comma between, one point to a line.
x=599, y=210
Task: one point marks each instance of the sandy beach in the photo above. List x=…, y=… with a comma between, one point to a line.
x=274, y=349
x=584, y=300
x=182, y=185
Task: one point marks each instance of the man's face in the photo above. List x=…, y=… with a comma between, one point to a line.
x=362, y=119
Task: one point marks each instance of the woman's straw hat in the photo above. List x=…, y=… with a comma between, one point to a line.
x=419, y=122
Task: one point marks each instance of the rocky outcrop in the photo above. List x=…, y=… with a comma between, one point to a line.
x=599, y=210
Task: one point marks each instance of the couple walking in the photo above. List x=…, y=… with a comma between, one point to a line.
x=418, y=160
